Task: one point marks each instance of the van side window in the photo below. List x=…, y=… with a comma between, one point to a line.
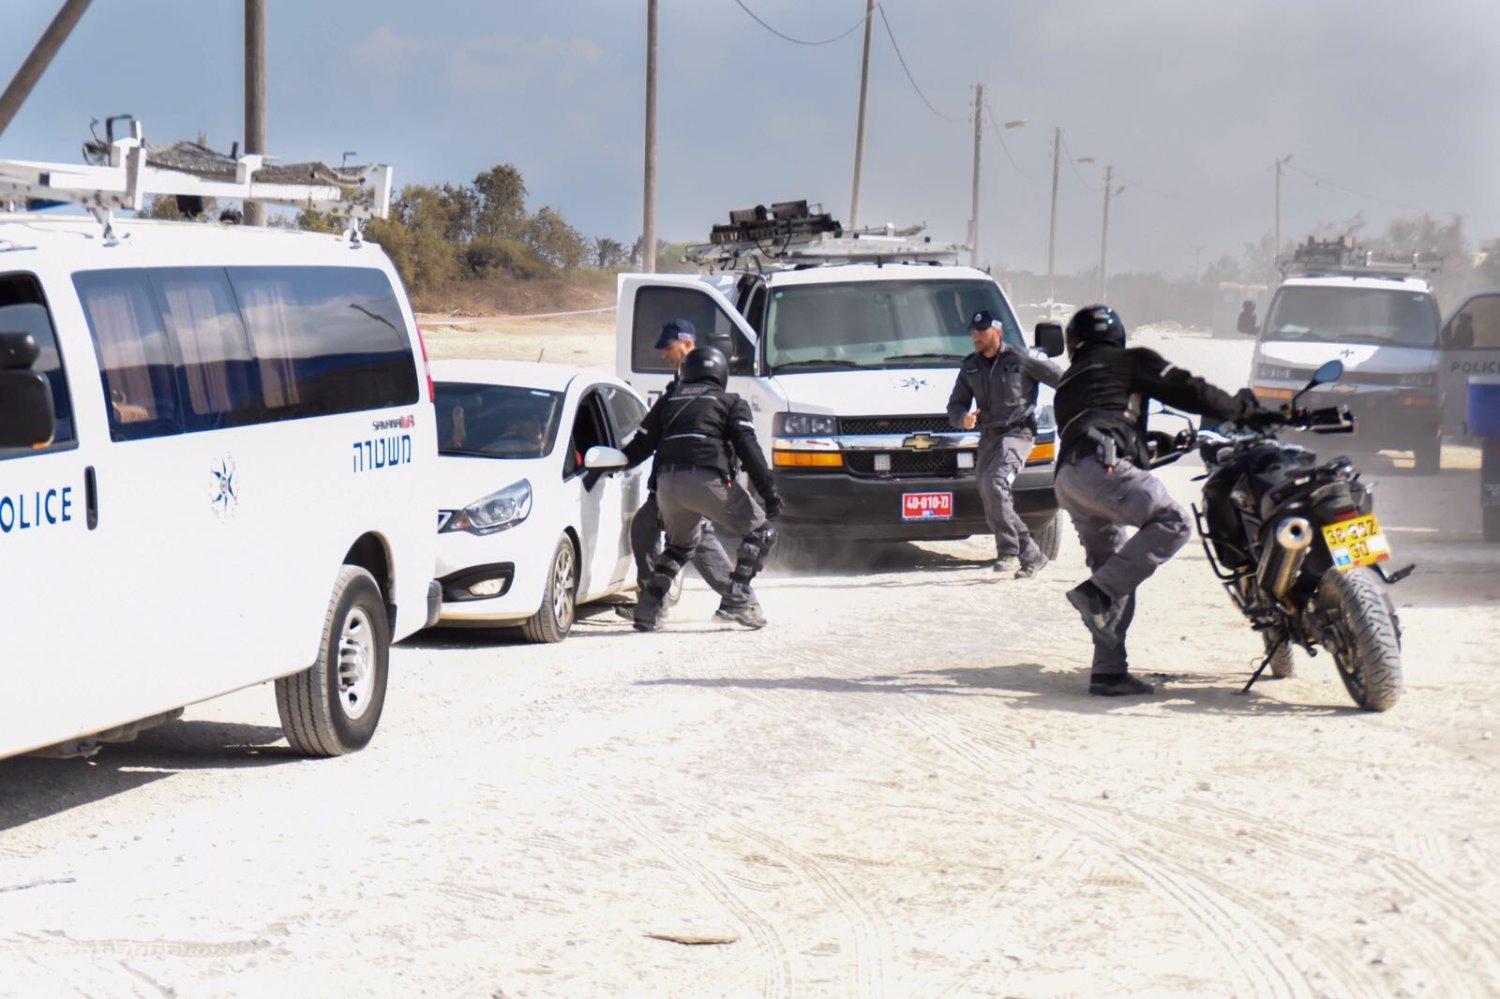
x=327, y=339
x=136, y=361
x=218, y=378
x=655, y=306
x=24, y=310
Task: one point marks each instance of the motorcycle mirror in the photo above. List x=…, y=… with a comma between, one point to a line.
x=1329, y=371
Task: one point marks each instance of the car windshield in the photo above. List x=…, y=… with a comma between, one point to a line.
x=496, y=421
x=879, y=324
x=1353, y=315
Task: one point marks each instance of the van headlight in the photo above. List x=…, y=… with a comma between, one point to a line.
x=1277, y=371
x=1420, y=379
x=498, y=511
x=804, y=425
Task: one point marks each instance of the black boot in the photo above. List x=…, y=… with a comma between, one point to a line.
x=1101, y=615
x=1117, y=685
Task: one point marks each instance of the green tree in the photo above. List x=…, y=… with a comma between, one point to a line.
x=607, y=252
x=500, y=209
x=549, y=234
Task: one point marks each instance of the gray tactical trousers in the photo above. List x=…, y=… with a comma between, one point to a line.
x=686, y=497
x=1101, y=505
x=1000, y=459
x=709, y=558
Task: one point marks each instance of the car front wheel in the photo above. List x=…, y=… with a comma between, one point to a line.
x=554, y=618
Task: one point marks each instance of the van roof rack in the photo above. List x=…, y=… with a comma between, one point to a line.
x=789, y=234
x=128, y=171
x=1340, y=257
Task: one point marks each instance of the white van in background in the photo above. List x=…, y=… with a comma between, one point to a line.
x=846, y=347
x=216, y=466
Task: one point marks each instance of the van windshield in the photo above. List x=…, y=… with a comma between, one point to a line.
x=879, y=324
x=496, y=421
x=1353, y=315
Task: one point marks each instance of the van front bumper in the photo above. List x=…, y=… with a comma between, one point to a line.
x=1385, y=416
x=832, y=504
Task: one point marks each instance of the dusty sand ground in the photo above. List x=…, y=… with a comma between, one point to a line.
x=898, y=788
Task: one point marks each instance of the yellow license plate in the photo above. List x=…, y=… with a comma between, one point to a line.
x=1357, y=542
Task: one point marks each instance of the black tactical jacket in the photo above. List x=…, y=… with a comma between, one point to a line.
x=699, y=425
x=1106, y=390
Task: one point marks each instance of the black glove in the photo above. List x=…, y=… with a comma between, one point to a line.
x=774, y=506
x=1263, y=419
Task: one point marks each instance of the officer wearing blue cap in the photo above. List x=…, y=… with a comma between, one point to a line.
x=1000, y=381
x=677, y=340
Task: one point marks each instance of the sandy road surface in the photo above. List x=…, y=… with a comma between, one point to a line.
x=896, y=789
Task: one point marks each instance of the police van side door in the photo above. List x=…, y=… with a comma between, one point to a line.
x=646, y=301
x=55, y=586
x=1469, y=345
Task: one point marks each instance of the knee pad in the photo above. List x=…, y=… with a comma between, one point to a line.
x=668, y=565
x=753, y=553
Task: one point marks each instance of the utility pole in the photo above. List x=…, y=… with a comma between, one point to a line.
x=1109, y=172
x=1197, y=260
x=974, y=203
x=1052, y=232
x=41, y=56
x=1275, y=250
x=255, y=94
x=859, y=132
x=648, y=222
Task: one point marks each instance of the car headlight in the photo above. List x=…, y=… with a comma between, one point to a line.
x=1420, y=379
x=1280, y=371
x=805, y=425
x=498, y=511
x=1045, y=418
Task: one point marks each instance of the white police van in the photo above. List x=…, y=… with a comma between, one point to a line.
x=1377, y=316
x=214, y=466
x=846, y=347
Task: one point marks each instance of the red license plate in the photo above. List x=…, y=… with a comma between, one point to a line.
x=926, y=506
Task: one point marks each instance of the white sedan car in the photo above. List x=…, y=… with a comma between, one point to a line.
x=521, y=541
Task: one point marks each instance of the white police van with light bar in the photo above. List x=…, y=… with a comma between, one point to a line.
x=216, y=444
x=846, y=345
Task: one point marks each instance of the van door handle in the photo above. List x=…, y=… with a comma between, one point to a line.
x=90, y=497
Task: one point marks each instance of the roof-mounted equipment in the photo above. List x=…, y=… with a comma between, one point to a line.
x=1340, y=257
x=132, y=171
x=790, y=234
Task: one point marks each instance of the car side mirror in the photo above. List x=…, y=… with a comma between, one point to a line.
x=602, y=458
x=26, y=415
x=1049, y=338
x=1247, y=323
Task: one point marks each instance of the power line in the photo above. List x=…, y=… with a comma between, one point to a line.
x=995, y=127
x=902, y=59
x=1073, y=165
x=1361, y=194
x=798, y=41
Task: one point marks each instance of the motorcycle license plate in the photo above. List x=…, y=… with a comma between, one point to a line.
x=926, y=506
x=1357, y=542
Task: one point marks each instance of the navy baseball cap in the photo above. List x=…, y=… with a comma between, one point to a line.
x=674, y=330
x=983, y=320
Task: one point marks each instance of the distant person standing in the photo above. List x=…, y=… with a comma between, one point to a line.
x=678, y=339
x=1000, y=381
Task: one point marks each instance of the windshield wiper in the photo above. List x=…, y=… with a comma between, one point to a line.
x=817, y=362
x=933, y=355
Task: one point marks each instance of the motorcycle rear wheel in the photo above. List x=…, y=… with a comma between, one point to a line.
x=1364, y=637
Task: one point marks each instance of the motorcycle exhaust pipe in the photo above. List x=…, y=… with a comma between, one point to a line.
x=1283, y=558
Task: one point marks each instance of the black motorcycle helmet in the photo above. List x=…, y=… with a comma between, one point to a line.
x=1094, y=324
x=705, y=364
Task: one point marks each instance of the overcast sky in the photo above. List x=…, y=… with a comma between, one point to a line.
x=1191, y=101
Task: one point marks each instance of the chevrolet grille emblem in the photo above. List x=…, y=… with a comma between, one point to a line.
x=920, y=442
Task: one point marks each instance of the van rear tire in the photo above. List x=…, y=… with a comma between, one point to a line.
x=332, y=707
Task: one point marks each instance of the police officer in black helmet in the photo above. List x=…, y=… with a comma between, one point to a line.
x=700, y=435
x=1103, y=479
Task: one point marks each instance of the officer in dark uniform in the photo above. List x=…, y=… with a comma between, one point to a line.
x=700, y=435
x=677, y=339
x=1002, y=381
x=1103, y=479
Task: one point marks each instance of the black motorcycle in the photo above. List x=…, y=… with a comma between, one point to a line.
x=1298, y=547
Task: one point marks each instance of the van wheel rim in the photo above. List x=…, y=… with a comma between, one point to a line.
x=356, y=666
x=562, y=587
